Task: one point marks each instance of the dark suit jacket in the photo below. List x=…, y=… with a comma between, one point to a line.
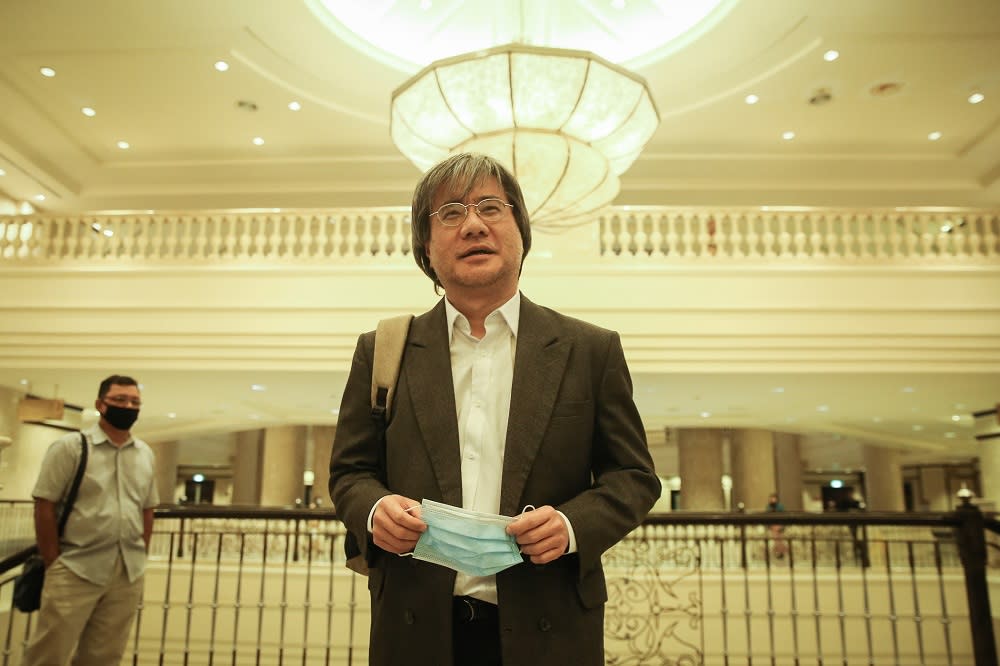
x=574, y=441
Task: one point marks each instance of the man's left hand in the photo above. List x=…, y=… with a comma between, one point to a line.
x=541, y=534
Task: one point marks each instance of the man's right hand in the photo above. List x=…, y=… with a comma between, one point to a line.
x=396, y=524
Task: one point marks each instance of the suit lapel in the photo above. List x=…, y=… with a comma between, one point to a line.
x=432, y=395
x=539, y=364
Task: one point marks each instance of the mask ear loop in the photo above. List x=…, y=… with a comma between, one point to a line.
x=527, y=508
x=409, y=554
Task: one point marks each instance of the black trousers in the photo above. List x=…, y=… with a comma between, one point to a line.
x=475, y=633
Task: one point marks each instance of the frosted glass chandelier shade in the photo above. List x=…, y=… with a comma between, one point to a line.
x=567, y=123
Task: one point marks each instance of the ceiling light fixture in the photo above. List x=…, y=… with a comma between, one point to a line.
x=567, y=123
x=258, y=141
x=47, y=72
x=976, y=98
x=89, y=112
x=222, y=66
x=39, y=197
x=831, y=55
x=751, y=99
x=294, y=106
x=934, y=136
x=2, y=172
x=124, y=145
x=788, y=136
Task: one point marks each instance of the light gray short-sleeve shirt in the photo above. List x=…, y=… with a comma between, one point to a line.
x=107, y=517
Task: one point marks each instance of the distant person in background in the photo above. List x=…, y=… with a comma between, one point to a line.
x=94, y=573
x=777, y=531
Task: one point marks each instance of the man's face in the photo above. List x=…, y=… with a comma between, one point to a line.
x=120, y=396
x=475, y=257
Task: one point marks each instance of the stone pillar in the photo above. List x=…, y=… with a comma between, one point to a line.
x=13, y=479
x=751, y=459
x=283, y=461
x=883, y=479
x=788, y=470
x=246, y=467
x=989, y=471
x=167, y=455
x=699, y=458
x=322, y=446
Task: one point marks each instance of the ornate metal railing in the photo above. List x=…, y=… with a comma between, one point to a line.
x=266, y=586
x=668, y=234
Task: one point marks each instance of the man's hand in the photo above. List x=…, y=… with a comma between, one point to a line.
x=541, y=534
x=394, y=529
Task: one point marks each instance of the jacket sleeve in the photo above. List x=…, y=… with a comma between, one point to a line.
x=625, y=485
x=356, y=464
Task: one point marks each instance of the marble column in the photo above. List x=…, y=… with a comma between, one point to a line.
x=751, y=458
x=246, y=467
x=699, y=458
x=989, y=472
x=788, y=469
x=883, y=479
x=167, y=455
x=322, y=446
x=283, y=461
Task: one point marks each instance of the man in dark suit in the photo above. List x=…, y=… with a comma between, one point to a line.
x=501, y=405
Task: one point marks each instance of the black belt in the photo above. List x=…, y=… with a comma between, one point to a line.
x=469, y=609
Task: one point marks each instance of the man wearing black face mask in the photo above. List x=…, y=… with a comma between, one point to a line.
x=94, y=572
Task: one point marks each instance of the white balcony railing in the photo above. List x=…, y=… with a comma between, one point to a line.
x=667, y=234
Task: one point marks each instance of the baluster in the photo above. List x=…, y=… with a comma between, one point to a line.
x=785, y=225
x=327, y=240
x=220, y=235
x=257, y=243
x=311, y=227
x=976, y=248
x=292, y=239
x=768, y=240
x=608, y=235
x=655, y=236
x=753, y=236
x=832, y=238
x=852, y=248
x=991, y=236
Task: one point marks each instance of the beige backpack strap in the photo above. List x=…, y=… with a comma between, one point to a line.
x=390, y=339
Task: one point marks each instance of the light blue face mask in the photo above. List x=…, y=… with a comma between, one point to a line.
x=471, y=542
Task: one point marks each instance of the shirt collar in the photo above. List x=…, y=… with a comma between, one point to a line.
x=510, y=311
x=97, y=436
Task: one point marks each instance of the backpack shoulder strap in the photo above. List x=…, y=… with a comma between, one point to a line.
x=71, y=497
x=390, y=340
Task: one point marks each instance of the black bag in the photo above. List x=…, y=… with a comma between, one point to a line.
x=28, y=584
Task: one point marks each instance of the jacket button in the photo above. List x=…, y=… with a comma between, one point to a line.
x=544, y=624
x=408, y=617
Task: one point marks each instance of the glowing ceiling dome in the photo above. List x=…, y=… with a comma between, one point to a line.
x=410, y=34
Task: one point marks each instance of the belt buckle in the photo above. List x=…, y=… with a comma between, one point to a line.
x=471, y=607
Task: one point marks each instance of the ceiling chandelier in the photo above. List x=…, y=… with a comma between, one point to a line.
x=566, y=123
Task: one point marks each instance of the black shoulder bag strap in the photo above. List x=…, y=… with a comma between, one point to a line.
x=75, y=488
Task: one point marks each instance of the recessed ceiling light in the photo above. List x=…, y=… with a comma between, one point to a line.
x=831, y=55
x=877, y=419
x=171, y=415
x=2, y=172
x=39, y=197
x=788, y=136
x=918, y=428
x=976, y=98
x=751, y=99
x=258, y=387
x=257, y=141
x=956, y=417
x=47, y=72
x=108, y=232
x=124, y=145
x=934, y=136
x=89, y=112
x=823, y=408
x=705, y=415
x=778, y=389
x=222, y=65
x=24, y=382
x=908, y=389
x=294, y=106
x=950, y=435
x=255, y=417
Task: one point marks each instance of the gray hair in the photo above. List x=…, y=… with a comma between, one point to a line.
x=461, y=172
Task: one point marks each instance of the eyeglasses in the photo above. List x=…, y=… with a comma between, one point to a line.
x=123, y=401
x=488, y=210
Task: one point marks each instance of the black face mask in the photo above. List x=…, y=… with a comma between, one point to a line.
x=121, y=418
